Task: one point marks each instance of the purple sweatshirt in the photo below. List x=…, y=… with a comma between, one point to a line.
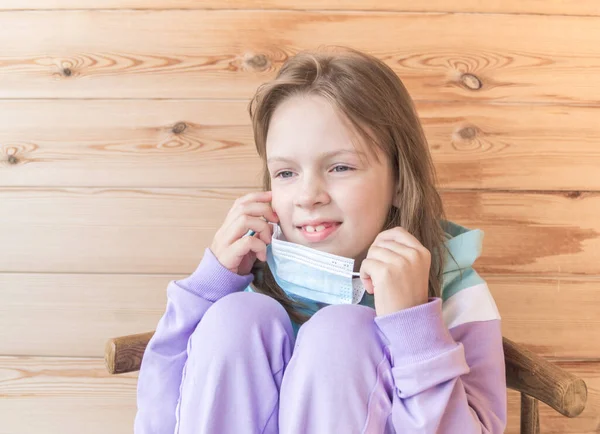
x=447, y=357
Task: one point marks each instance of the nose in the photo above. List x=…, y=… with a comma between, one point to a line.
x=312, y=192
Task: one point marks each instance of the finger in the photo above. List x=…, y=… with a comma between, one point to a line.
x=400, y=235
x=368, y=268
x=256, y=209
x=368, y=284
x=266, y=234
x=240, y=202
x=389, y=251
x=256, y=196
x=243, y=246
x=243, y=224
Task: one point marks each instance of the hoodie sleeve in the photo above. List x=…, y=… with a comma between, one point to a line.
x=448, y=380
x=162, y=365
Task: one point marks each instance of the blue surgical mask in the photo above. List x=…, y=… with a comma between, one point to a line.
x=312, y=274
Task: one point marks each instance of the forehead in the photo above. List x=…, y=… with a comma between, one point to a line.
x=307, y=126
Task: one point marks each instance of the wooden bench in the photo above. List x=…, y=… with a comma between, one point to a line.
x=535, y=378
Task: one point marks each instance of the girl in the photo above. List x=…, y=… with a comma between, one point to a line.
x=351, y=305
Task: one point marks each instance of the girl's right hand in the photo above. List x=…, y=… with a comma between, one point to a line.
x=236, y=252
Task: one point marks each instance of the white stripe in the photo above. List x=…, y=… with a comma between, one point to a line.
x=474, y=303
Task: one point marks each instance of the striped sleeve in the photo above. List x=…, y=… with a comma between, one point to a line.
x=448, y=364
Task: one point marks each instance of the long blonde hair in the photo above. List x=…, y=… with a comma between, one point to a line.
x=368, y=93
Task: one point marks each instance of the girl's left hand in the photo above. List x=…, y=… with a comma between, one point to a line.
x=396, y=270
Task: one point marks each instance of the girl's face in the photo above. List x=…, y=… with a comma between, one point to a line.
x=327, y=194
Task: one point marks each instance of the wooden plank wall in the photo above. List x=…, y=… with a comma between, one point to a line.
x=124, y=139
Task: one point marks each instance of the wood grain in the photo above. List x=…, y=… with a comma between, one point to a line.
x=89, y=230
x=124, y=139
x=71, y=396
x=554, y=317
x=552, y=422
x=125, y=353
x=580, y=7
x=127, y=143
x=180, y=143
x=530, y=416
x=64, y=396
x=526, y=372
x=529, y=373
x=227, y=53
x=75, y=314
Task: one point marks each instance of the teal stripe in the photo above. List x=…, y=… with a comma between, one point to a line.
x=465, y=246
x=452, y=282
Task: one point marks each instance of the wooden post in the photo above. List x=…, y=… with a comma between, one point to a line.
x=530, y=415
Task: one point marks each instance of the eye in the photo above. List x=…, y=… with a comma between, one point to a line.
x=341, y=166
x=281, y=173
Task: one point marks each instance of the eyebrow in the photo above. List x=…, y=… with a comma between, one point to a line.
x=322, y=155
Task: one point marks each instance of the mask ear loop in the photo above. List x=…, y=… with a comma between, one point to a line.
x=251, y=233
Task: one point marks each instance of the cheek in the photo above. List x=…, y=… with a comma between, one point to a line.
x=367, y=203
x=279, y=203
x=359, y=196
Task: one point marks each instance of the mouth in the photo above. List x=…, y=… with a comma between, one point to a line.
x=318, y=231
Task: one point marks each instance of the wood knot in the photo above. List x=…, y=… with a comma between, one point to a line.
x=12, y=159
x=179, y=128
x=258, y=62
x=67, y=72
x=573, y=194
x=471, y=81
x=467, y=133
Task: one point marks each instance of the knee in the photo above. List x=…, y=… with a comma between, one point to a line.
x=339, y=328
x=235, y=318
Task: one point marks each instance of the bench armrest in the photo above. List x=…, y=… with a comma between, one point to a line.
x=526, y=372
